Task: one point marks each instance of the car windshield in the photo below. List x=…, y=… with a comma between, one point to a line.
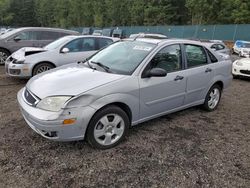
x=10, y=33
x=123, y=57
x=57, y=43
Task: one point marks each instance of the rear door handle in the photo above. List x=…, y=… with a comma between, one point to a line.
x=208, y=70
x=178, y=78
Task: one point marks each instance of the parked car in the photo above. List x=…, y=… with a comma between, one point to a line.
x=127, y=83
x=97, y=32
x=148, y=35
x=118, y=33
x=29, y=37
x=242, y=48
x=87, y=31
x=107, y=32
x=218, y=46
x=28, y=62
x=241, y=67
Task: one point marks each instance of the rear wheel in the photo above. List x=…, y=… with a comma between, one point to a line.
x=4, y=54
x=42, y=68
x=107, y=128
x=213, y=98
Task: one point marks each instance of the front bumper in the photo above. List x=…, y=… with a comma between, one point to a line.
x=18, y=70
x=240, y=70
x=245, y=54
x=50, y=124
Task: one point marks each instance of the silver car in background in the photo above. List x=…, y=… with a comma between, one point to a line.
x=28, y=62
x=127, y=83
x=218, y=46
x=29, y=37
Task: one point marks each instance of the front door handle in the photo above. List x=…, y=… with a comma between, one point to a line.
x=178, y=78
x=208, y=70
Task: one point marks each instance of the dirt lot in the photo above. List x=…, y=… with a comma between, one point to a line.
x=191, y=148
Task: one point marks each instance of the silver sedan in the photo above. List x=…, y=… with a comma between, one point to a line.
x=125, y=84
x=28, y=62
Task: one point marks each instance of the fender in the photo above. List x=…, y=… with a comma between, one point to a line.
x=130, y=100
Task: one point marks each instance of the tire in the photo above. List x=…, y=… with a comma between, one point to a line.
x=103, y=132
x=4, y=54
x=42, y=67
x=213, y=98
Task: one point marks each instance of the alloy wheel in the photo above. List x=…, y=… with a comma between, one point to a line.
x=214, y=98
x=3, y=57
x=43, y=69
x=109, y=129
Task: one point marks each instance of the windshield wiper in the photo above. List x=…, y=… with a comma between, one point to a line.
x=106, y=68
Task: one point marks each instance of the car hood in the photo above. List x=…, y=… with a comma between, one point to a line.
x=21, y=53
x=245, y=61
x=69, y=80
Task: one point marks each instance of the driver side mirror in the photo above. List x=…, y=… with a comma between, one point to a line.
x=65, y=50
x=17, y=39
x=155, y=72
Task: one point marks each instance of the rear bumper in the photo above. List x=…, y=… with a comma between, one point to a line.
x=50, y=124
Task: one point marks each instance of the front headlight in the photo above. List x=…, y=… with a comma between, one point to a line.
x=239, y=63
x=53, y=104
x=18, y=62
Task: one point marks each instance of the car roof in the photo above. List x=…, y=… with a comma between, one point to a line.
x=91, y=36
x=166, y=41
x=46, y=28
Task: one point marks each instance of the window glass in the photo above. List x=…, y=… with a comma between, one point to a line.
x=60, y=34
x=169, y=58
x=26, y=35
x=212, y=57
x=81, y=45
x=47, y=35
x=88, y=44
x=214, y=46
x=57, y=43
x=221, y=47
x=104, y=42
x=123, y=57
x=196, y=56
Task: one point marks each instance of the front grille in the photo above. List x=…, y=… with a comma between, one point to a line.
x=245, y=72
x=30, y=98
x=15, y=71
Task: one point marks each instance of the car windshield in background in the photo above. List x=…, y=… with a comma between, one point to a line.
x=123, y=57
x=10, y=33
x=57, y=43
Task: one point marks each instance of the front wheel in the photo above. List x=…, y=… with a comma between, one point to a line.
x=107, y=128
x=213, y=98
x=42, y=68
x=4, y=54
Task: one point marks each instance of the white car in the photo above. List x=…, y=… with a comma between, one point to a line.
x=28, y=62
x=242, y=48
x=241, y=68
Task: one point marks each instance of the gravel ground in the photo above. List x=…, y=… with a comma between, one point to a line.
x=191, y=148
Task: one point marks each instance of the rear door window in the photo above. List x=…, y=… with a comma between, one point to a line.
x=102, y=42
x=195, y=55
x=47, y=35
